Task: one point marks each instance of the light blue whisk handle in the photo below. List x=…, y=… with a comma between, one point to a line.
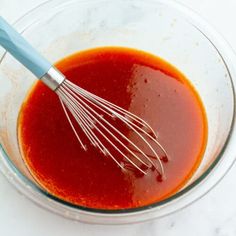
x=18, y=47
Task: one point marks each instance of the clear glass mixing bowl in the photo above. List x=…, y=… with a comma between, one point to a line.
x=162, y=27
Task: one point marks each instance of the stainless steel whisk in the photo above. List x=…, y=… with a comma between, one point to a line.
x=92, y=113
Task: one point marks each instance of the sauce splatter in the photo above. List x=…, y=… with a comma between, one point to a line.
x=137, y=81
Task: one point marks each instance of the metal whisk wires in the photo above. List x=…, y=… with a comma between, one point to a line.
x=89, y=111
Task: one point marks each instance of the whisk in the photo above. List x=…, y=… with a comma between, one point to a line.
x=97, y=117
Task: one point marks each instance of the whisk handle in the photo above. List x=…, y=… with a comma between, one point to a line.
x=18, y=47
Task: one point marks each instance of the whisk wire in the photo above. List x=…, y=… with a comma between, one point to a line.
x=77, y=101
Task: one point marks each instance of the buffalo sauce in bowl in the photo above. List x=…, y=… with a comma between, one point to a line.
x=138, y=82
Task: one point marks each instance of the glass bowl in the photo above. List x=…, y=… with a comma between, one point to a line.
x=165, y=28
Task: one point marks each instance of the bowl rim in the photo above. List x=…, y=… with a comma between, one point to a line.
x=214, y=38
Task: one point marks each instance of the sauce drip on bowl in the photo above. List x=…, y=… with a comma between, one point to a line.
x=137, y=81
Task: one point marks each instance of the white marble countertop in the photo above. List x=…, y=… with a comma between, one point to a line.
x=214, y=214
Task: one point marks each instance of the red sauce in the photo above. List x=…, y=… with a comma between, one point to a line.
x=137, y=81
